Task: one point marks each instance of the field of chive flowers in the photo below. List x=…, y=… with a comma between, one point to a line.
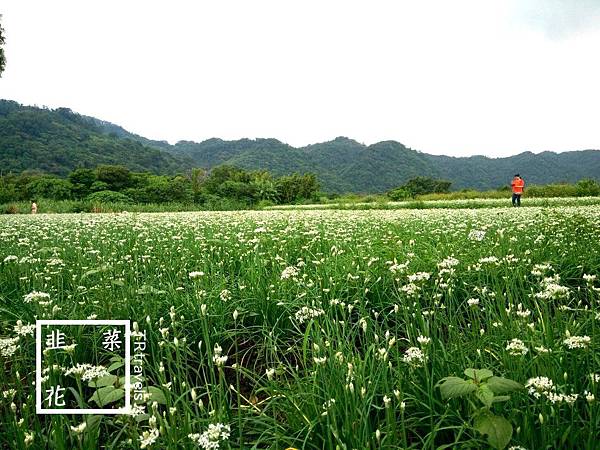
x=424, y=329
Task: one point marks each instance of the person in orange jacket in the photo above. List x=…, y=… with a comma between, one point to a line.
x=517, y=185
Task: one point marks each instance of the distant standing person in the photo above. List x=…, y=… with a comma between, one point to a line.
x=517, y=185
x=33, y=207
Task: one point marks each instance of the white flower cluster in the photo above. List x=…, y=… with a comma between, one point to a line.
x=305, y=313
x=225, y=295
x=522, y=313
x=540, y=269
x=36, y=296
x=473, y=302
x=195, y=274
x=414, y=356
x=423, y=340
x=476, y=235
x=589, y=278
x=87, y=372
x=551, y=290
x=540, y=387
x=397, y=268
x=210, y=439
x=577, y=342
x=289, y=272
x=516, y=347
x=8, y=346
x=24, y=330
x=488, y=260
x=147, y=438
x=419, y=276
x=448, y=263
x=218, y=358
x=10, y=258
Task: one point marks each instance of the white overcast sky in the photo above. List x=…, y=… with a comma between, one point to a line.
x=494, y=77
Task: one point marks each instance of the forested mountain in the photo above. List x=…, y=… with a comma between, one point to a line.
x=59, y=140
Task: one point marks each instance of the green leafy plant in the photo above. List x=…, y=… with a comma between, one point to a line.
x=482, y=385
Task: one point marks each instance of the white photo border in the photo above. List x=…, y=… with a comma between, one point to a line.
x=38, y=367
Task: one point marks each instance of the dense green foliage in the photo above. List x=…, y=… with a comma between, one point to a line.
x=419, y=186
x=59, y=141
x=433, y=329
x=223, y=185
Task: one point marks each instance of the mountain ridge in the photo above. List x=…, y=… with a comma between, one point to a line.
x=59, y=140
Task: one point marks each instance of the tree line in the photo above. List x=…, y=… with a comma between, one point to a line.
x=118, y=184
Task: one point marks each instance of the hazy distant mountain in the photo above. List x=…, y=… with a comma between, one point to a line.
x=59, y=140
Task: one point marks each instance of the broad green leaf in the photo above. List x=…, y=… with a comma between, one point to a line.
x=107, y=380
x=106, y=395
x=497, y=429
x=157, y=395
x=485, y=394
x=501, y=398
x=452, y=387
x=115, y=365
x=500, y=385
x=478, y=374
x=93, y=422
x=78, y=398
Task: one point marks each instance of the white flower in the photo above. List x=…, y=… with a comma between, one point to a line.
x=148, y=438
x=225, y=295
x=289, y=272
x=35, y=295
x=419, y=276
x=552, y=290
x=305, y=313
x=588, y=278
x=516, y=347
x=28, y=440
x=320, y=360
x=10, y=258
x=219, y=360
x=8, y=346
x=423, y=340
x=472, y=302
x=210, y=439
x=476, y=235
x=539, y=386
x=78, y=429
x=24, y=330
x=414, y=356
x=386, y=401
x=577, y=342
x=87, y=372
x=196, y=274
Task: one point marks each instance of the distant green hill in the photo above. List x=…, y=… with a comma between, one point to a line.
x=58, y=140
